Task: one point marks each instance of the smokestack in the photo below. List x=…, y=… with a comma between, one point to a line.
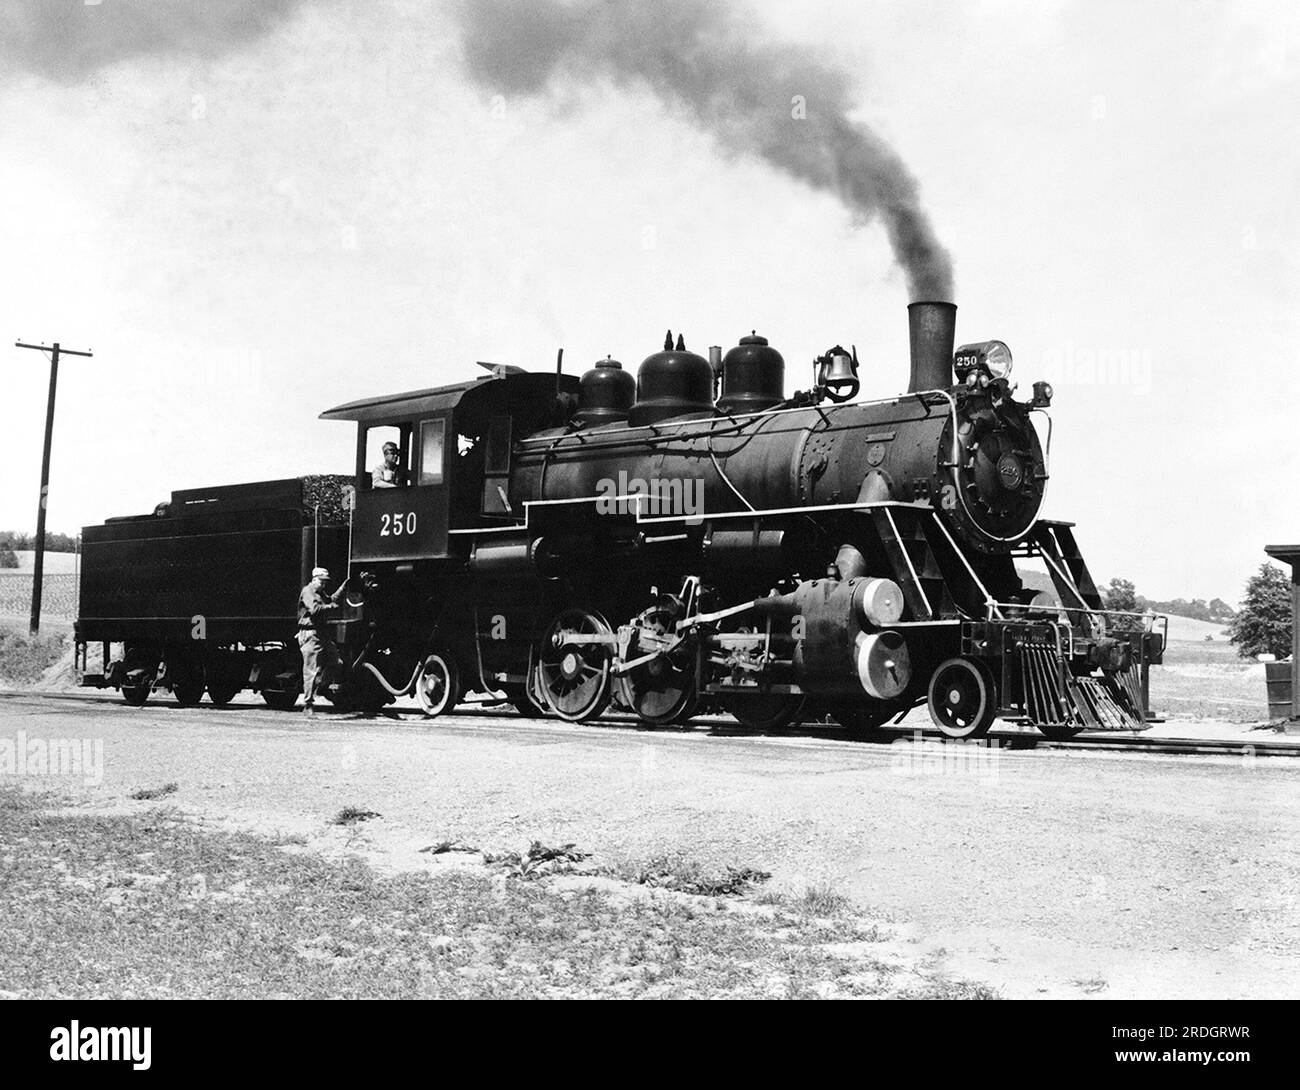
x=932, y=327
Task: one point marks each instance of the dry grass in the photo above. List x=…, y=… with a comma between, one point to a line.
x=151, y=906
x=23, y=659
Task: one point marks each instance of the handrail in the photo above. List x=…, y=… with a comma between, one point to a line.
x=1149, y=617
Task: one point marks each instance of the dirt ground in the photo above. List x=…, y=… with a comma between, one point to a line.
x=1040, y=873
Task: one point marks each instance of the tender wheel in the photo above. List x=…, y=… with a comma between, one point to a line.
x=282, y=700
x=575, y=676
x=962, y=700
x=187, y=693
x=186, y=677
x=136, y=695
x=144, y=667
x=437, y=689
x=766, y=711
x=222, y=693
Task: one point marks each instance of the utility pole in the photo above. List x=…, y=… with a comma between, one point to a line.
x=38, y=569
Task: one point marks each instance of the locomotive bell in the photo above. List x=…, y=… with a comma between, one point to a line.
x=838, y=372
x=672, y=383
x=753, y=377
x=605, y=393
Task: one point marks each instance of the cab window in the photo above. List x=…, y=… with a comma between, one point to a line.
x=379, y=471
x=433, y=435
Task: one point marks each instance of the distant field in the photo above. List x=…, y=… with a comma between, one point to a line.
x=1189, y=629
x=1205, y=680
x=58, y=595
x=55, y=563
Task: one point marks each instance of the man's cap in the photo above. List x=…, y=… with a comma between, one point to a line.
x=320, y=573
x=391, y=446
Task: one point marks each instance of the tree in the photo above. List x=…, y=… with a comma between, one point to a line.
x=1263, y=626
x=54, y=542
x=7, y=557
x=1121, y=595
x=1221, y=611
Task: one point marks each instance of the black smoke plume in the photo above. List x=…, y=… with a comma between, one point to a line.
x=67, y=40
x=708, y=59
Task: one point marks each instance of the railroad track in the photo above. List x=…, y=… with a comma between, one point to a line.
x=1271, y=746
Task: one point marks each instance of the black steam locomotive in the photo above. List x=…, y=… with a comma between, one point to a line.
x=685, y=541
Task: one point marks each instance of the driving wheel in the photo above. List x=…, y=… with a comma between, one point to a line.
x=665, y=689
x=573, y=665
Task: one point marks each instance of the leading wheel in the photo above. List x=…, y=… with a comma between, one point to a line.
x=437, y=689
x=573, y=665
x=962, y=700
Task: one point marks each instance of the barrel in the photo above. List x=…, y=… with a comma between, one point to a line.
x=1277, y=677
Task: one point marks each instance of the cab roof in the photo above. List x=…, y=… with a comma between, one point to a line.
x=411, y=403
x=501, y=388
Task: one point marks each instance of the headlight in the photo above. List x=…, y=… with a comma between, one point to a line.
x=992, y=357
x=997, y=359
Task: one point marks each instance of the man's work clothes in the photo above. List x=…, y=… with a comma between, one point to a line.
x=320, y=655
x=384, y=477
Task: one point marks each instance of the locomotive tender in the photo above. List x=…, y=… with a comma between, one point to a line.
x=688, y=540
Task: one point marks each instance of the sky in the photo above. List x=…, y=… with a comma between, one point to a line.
x=249, y=223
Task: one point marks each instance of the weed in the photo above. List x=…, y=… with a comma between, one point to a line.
x=145, y=794
x=350, y=815
x=684, y=875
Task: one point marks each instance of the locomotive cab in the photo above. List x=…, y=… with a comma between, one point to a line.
x=455, y=449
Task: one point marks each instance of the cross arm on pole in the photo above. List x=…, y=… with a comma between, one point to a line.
x=52, y=347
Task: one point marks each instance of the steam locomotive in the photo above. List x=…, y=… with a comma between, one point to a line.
x=687, y=540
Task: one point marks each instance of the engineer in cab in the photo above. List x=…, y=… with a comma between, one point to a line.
x=389, y=473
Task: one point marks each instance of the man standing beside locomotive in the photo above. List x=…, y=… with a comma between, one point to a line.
x=319, y=651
